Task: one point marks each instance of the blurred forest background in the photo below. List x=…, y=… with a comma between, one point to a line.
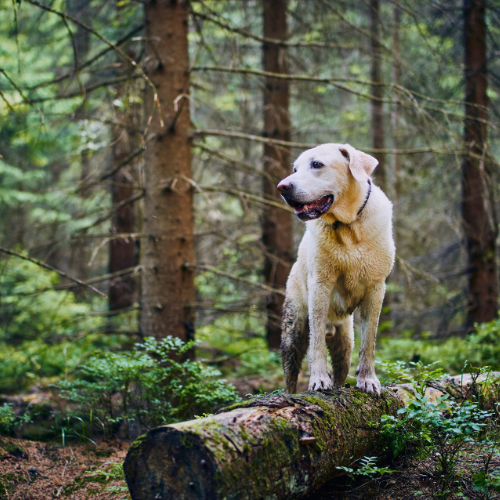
x=141, y=144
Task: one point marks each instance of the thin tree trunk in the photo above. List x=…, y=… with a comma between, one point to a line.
x=279, y=447
x=378, y=136
x=81, y=10
x=168, y=292
x=392, y=177
x=377, y=123
x=277, y=225
x=478, y=213
x=122, y=252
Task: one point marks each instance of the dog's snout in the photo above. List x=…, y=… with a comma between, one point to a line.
x=284, y=186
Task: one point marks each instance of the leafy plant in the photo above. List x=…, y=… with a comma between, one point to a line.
x=439, y=431
x=10, y=421
x=412, y=372
x=114, y=473
x=153, y=384
x=367, y=468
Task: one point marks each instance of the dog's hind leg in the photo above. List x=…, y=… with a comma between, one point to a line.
x=294, y=343
x=340, y=346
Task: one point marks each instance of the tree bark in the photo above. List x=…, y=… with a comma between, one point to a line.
x=395, y=164
x=122, y=252
x=81, y=9
x=377, y=122
x=168, y=292
x=272, y=447
x=277, y=225
x=479, y=222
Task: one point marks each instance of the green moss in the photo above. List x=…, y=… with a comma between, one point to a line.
x=13, y=449
x=5, y=487
x=137, y=443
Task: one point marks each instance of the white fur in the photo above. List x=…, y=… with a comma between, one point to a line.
x=343, y=269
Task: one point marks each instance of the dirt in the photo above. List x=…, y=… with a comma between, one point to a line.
x=412, y=479
x=31, y=470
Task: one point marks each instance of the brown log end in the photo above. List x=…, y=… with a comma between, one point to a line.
x=170, y=471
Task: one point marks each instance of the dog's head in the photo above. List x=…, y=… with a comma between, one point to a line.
x=325, y=177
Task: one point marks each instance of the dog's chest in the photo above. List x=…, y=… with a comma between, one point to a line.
x=347, y=294
x=349, y=273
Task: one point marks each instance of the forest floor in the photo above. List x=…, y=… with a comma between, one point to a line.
x=31, y=470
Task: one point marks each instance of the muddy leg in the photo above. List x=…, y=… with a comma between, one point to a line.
x=294, y=344
x=340, y=348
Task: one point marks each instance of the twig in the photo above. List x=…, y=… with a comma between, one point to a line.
x=89, y=62
x=103, y=277
x=232, y=161
x=46, y=266
x=248, y=196
x=272, y=41
x=422, y=274
x=234, y=277
x=89, y=89
x=109, y=44
x=306, y=145
x=75, y=57
x=115, y=209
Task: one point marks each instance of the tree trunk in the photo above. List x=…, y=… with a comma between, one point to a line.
x=277, y=225
x=392, y=177
x=479, y=222
x=80, y=9
x=377, y=124
x=122, y=252
x=378, y=138
x=168, y=292
x=272, y=447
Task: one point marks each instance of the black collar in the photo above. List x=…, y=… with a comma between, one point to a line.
x=336, y=224
x=367, y=196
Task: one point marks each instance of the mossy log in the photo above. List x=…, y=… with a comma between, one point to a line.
x=271, y=447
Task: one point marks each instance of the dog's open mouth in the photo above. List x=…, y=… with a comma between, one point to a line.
x=312, y=210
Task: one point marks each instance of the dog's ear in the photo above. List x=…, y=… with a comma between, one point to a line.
x=361, y=165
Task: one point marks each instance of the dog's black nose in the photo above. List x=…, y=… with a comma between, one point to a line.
x=284, y=185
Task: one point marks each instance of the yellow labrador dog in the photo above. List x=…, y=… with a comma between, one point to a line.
x=345, y=256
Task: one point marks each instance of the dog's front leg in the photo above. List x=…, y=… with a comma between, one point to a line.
x=370, y=311
x=319, y=301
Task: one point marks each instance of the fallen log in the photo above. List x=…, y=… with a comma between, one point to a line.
x=271, y=447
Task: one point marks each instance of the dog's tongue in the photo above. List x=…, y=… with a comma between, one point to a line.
x=312, y=207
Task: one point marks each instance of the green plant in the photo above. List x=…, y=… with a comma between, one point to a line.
x=412, y=372
x=480, y=348
x=367, y=468
x=439, y=431
x=151, y=385
x=114, y=473
x=10, y=421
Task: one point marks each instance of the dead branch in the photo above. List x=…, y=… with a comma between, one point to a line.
x=60, y=273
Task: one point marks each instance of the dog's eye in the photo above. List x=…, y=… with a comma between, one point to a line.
x=294, y=169
x=317, y=164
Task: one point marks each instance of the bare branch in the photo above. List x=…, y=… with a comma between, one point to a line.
x=247, y=196
x=90, y=61
x=219, y=21
x=109, y=44
x=234, y=277
x=60, y=273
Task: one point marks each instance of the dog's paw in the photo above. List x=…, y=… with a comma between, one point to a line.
x=321, y=381
x=369, y=384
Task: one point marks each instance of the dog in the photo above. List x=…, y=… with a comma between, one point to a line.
x=344, y=258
